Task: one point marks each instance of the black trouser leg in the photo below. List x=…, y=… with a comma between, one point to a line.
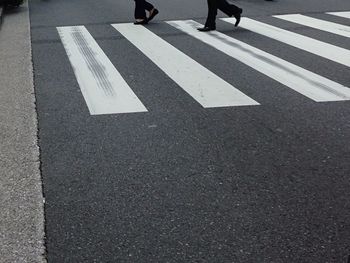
x=148, y=6
x=212, y=12
x=227, y=8
x=140, y=7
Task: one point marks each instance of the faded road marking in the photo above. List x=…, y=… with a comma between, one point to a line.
x=104, y=89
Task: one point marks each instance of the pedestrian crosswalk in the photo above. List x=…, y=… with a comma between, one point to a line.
x=340, y=14
x=303, y=81
x=319, y=24
x=204, y=86
x=326, y=50
x=106, y=91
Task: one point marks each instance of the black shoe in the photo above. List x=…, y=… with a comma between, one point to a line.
x=142, y=22
x=238, y=16
x=154, y=13
x=206, y=28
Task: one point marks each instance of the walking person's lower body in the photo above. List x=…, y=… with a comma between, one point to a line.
x=225, y=7
x=140, y=12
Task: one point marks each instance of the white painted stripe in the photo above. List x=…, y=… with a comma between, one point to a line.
x=103, y=88
x=303, y=81
x=340, y=14
x=317, y=23
x=328, y=51
x=203, y=85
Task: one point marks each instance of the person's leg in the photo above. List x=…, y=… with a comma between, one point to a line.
x=148, y=6
x=152, y=10
x=212, y=12
x=140, y=13
x=230, y=10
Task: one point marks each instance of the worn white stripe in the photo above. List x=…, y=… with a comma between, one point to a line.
x=328, y=51
x=104, y=89
x=303, y=81
x=203, y=85
x=319, y=24
x=345, y=14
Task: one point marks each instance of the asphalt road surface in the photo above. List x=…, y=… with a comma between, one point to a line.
x=168, y=145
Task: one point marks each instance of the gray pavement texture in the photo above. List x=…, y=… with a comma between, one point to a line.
x=180, y=183
x=21, y=201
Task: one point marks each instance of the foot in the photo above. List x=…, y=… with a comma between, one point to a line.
x=141, y=21
x=153, y=13
x=206, y=28
x=238, y=16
